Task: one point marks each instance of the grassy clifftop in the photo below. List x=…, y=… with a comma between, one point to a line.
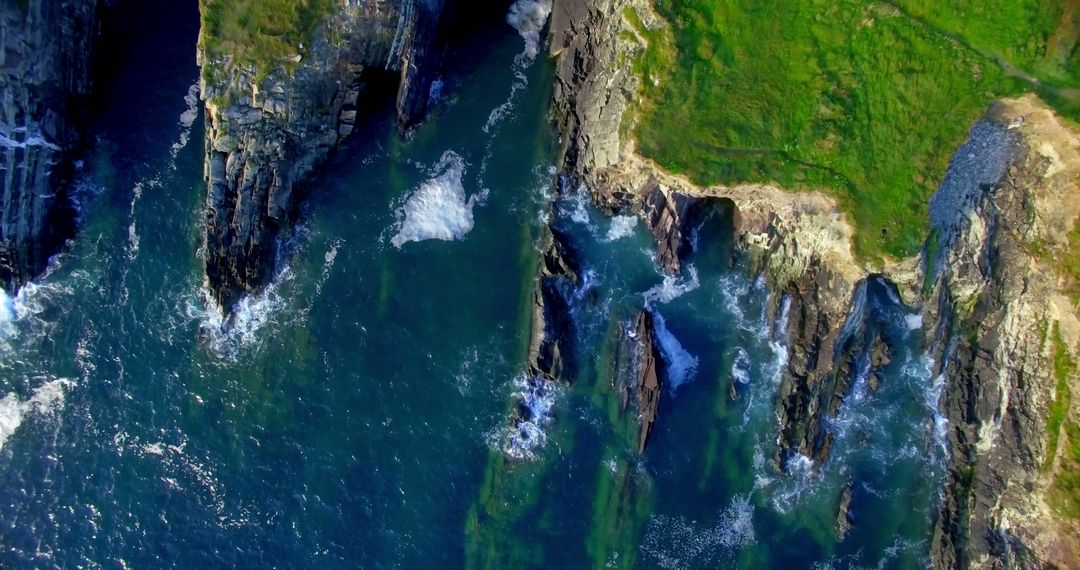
x=262, y=34
x=867, y=99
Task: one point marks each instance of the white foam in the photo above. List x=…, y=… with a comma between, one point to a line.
x=740, y=368
x=681, y=365
x=672, y=287
x=621, y=227
x=913, y=321
x=438, y=209
x=187, y=118
x=677, y=542
x=227, y=335
x=525, y=436
x=7, y=308
x=799, y=480
x=528, y=18
x=45, y=401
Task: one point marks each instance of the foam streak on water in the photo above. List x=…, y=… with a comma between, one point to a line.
x=676, y=542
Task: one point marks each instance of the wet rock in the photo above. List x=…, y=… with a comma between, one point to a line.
x=881, y=356
x=809, y=384
x=551, y=337
x=844, y=519
x=638, y=375
x=45, y=51
x=648, y=385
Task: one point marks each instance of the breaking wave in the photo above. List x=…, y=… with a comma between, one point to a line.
x=681, y=365
x=438, y=208
x=525, y=435
x=621, y=227
x=45, y=401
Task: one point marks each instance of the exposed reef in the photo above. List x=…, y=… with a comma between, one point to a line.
x=45, y=60
x=267, y=131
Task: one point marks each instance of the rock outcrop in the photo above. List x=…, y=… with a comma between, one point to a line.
x=551, y=338
x=637, y=376
x=1010, y=193
x=265, y=135
x=45, y=51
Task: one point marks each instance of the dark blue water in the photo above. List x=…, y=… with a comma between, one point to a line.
x=357, y=413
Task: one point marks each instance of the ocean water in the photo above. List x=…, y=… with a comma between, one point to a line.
x=356, y=414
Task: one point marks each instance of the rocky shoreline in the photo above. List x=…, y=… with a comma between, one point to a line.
x=983, y=293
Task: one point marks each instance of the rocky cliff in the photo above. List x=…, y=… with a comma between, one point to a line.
x=45, y=50
x=268, y=129
x=988, y=282
x=1002, y=219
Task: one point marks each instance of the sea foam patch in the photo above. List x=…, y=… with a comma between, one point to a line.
x=673, y=287
x=438, y=208
x=45, y=400
x=621, y=227
x=677, y=542
x=528, y=18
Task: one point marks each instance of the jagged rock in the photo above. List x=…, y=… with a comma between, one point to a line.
x=265, y=136
x=638, y=374
x=551, y=337
x=648, y=384
x=881, y=355
x=45, y=50
x=844, y=519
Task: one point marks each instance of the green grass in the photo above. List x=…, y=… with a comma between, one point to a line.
x=262, y=34
x=865, y=100
x=1069, y=263
x=1064, y=494
x=1059, y=407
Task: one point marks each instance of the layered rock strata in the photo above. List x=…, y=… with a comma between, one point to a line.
x=266, y=135
x=45, y=51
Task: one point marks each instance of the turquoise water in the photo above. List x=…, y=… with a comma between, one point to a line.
x=356, y=414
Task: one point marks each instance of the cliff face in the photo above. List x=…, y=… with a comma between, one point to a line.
x=988, y=285
x=265, y=135
x=45, y=48
x=1001, y=218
